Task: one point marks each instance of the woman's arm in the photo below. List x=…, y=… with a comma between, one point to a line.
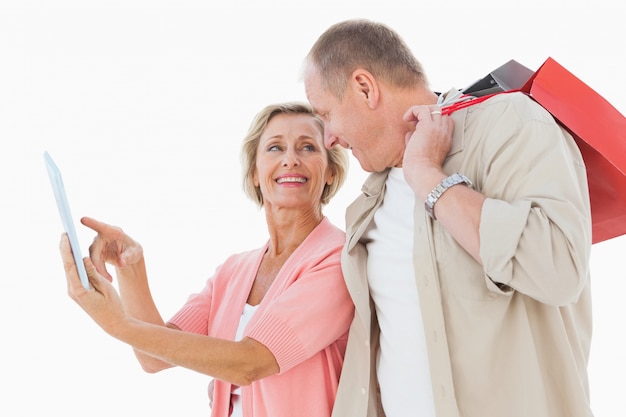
x=111, y=245
x=237, y=362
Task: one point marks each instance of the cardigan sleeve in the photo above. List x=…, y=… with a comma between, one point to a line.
x=193, y=316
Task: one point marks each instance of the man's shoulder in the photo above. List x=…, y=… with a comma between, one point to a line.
x=517, y=103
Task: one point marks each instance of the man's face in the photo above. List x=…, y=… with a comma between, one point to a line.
x=348, y=122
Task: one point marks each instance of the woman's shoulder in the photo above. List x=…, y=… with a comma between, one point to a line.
x=326, y=239
x=249, y=258
x=330, y=231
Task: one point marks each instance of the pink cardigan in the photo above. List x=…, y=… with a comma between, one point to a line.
x=303, y=320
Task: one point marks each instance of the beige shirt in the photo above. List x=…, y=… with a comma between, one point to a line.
x=512, y=337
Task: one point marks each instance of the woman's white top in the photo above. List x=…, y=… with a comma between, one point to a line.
x=248, y=312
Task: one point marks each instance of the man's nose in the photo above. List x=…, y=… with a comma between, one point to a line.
x=330, y=140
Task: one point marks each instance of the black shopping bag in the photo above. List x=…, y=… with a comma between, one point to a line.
x=510, y=76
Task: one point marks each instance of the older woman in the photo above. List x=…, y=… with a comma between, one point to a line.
x=270, y=326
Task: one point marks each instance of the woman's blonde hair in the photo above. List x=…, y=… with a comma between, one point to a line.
x=337, y=157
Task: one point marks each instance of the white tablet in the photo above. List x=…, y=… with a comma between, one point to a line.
x=66, y=216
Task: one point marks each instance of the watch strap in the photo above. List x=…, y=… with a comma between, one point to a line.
x=441, y=188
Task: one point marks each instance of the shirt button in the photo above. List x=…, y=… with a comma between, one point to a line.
x=363, y=391
x=367, y=343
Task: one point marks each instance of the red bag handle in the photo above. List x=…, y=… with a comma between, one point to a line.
x=471, y=100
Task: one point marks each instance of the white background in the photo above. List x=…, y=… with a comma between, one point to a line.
x=143, y=105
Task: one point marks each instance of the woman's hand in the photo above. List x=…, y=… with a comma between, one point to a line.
x=111, y=245
x=101, y=302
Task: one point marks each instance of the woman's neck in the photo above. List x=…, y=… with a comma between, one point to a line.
x=287, y=230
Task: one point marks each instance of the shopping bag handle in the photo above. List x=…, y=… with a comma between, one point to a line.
x=470, y=100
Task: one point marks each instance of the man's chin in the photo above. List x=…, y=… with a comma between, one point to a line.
x=368, y=168
x=365, y=166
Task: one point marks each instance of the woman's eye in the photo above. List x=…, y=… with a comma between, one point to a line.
x=309, y=147
x=274, y=148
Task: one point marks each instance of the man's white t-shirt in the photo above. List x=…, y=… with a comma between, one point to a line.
x=402, y=363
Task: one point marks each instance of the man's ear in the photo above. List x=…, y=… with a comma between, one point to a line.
x=366, y=86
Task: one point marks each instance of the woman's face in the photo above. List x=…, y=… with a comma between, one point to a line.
x=292, y=163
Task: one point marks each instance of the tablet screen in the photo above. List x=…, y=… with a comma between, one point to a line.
x=66, y=216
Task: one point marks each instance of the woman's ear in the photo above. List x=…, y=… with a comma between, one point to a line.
x=330, y=175
x=330, y=178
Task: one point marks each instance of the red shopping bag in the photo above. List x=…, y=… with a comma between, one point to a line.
x=600, y=132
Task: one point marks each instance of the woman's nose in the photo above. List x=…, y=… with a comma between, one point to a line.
x=290, y=159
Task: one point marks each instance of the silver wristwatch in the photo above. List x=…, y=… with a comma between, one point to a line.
x=434, y=195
